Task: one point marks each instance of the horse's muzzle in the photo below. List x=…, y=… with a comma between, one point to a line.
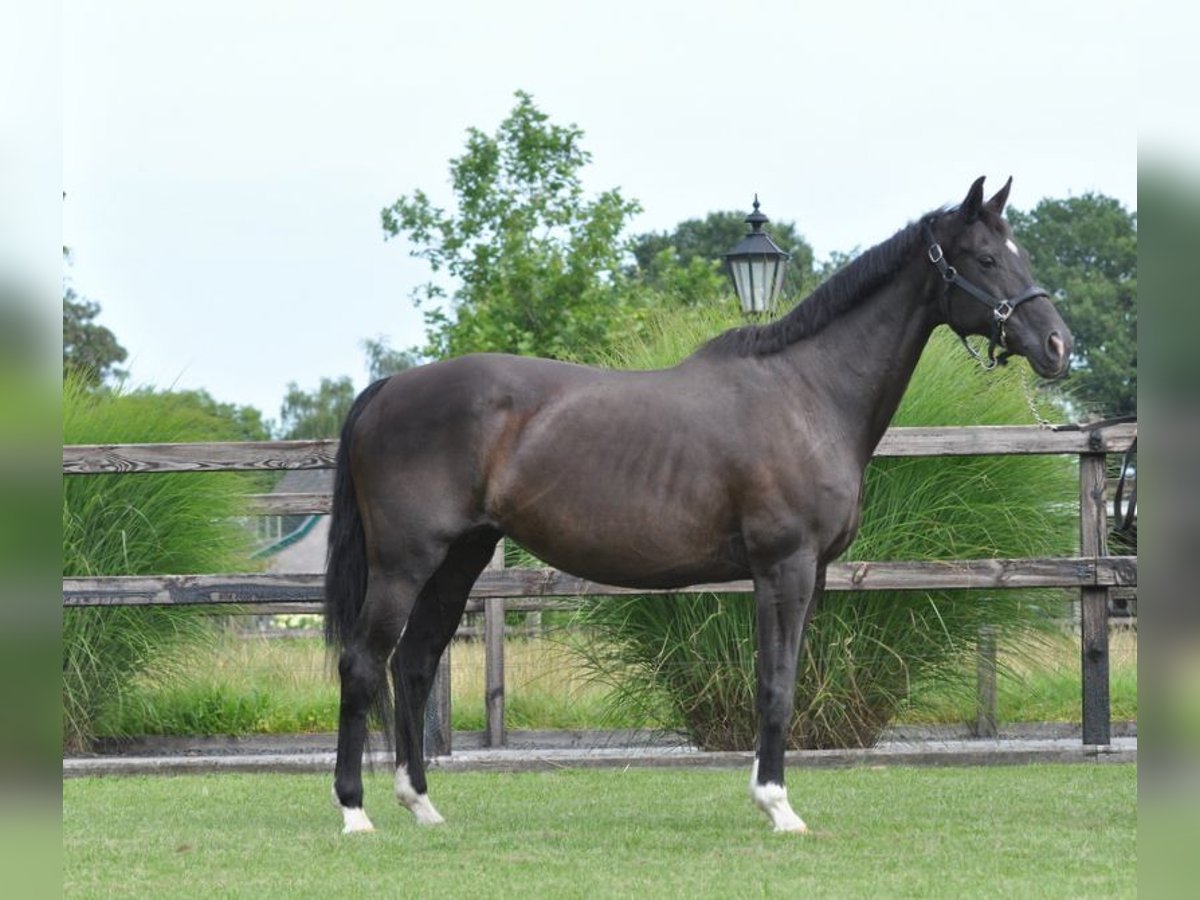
x=1054, y=358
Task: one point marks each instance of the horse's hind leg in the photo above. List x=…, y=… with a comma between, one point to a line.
x=362, y=667
x=432, y=624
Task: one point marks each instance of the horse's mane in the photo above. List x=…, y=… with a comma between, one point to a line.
x=838, y=294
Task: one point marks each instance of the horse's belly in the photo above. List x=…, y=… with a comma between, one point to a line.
x=637, y=570
x=667, y=551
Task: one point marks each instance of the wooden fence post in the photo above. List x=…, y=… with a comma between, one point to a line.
x=985, y=684
x=1093, y=602
x=437, y=711
x=438, y=714
x=493, y=632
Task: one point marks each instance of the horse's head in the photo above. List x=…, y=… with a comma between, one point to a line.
x=989, y=289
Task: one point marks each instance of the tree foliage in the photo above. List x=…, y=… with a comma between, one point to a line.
x=318, y=414
x=1084, y=249
x=88, y=347
x=382, y=360
x=239, y=423
x=535, y=264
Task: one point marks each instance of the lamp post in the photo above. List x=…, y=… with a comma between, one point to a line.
x=756, y=266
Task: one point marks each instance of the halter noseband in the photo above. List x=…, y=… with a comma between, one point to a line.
x=1002, y=308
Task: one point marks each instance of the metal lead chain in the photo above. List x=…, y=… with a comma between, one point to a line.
x=1041, y=420
x=984, y=362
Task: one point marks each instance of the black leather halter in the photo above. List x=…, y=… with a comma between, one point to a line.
x=1002, y=308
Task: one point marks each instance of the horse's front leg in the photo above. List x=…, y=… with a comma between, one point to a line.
x=785, y=594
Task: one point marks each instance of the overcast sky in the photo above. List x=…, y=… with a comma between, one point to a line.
x=225, y=163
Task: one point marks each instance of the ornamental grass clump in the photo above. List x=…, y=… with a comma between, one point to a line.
x=137, y=524
x=867, y=655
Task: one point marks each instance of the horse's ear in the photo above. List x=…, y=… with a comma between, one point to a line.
x=969, y=211
x=996, y=204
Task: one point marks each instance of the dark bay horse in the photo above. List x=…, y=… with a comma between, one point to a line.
x=745, y=460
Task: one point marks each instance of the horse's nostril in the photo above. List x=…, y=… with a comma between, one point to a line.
x=1056, y=346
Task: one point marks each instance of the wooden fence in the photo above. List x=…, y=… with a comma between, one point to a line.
x=1093, y=573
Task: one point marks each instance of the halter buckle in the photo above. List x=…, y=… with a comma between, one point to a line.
x=1003, y=310
x=935, y=253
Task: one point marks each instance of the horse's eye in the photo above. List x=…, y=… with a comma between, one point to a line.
x=987, y=261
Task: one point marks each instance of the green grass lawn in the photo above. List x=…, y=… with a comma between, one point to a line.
x=1029, y=831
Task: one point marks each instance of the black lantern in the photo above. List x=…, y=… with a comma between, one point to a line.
x=756, y=266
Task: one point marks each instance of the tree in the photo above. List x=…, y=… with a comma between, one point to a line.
x=1084, y=250
x=536, y=265
x=382, y=360
x=689, y=263
x=88, y=347
x=317, y=415
x=241, y=423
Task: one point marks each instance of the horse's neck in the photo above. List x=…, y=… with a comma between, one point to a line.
x=866, y=357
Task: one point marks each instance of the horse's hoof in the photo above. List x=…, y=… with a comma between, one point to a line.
x=355, y=821
x=418, y=804
x=427, y=815
x=772, y=799
x=793, y=827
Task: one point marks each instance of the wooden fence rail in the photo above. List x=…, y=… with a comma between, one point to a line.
x=259, y=456
x=1093, y=573
x=963, y=574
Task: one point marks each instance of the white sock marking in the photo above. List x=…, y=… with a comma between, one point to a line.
x=417, y=804
x=353, y=818
x=772, y=799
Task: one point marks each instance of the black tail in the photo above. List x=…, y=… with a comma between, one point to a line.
x=346, y=563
